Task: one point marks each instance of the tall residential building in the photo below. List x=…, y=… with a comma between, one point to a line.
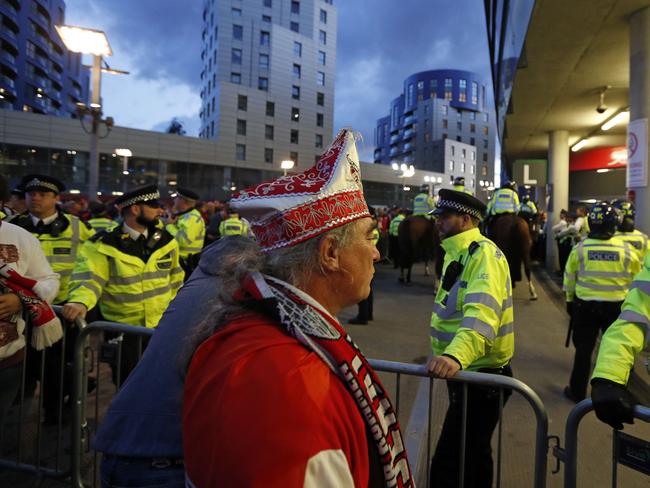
x=436, y=107
x=268, y=79
x=37, y=73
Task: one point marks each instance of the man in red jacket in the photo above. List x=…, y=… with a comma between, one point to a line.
x=277, y=394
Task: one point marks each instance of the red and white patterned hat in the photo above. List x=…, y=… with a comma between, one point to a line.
x=294, y=208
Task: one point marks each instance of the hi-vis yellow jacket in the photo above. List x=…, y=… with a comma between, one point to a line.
x=628, y=335
x=189, y=231
x=61, y=241
x=114, y=271
x=102, y=223
x=504, y=200
x=422, y=204
x=600, y=270
x=473, y=321
x=638, y=240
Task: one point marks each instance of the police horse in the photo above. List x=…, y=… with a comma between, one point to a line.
x=418, y=240
x=512, y=235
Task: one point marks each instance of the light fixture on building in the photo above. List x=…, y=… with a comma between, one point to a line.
x=83, y=40
x=395, y=166
x=603, y=170
x=579, y=145
x=171, y=182
x=117, y=193
x=286, y=165
x=233, y=187
x=125, y=154
x=407, y=188
x=74, y=192
x=619, y=118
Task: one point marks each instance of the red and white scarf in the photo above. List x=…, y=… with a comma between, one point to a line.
x=46, y=326
x=309, y=323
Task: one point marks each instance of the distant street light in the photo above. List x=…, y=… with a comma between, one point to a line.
x=125, y=154
x=93, y=42
x=286, y=165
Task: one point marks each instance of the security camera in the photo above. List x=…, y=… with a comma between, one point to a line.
x=601, y=109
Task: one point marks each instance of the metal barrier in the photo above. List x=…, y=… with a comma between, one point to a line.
x=484, y=379
x=48, y=456
x=569, y=455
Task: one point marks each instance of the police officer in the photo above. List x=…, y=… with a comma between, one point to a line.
x=423, y=202
x=505, y=200
x=472, y=330
x=61, y=236
x=459, y=184
x=597, y=277
x=626, y=231
x=393, y=242
x=99, y=219
x=132, y=272
x=232, y=225
x=187, y=225
x=622, y=341
x=527, y=207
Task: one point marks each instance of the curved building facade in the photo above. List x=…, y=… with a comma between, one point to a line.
x=37, y=73
x=434, y=106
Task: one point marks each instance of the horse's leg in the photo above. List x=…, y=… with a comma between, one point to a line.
x=531, y=287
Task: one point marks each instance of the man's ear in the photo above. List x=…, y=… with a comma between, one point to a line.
x=329, y=254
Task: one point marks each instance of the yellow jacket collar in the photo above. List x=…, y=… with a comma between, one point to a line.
x=456, y=244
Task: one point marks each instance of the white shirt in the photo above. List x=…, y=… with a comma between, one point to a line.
x=46, y=220
x=134, y=234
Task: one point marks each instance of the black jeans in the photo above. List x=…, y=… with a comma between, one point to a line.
x=482, y=419
x=589, y=318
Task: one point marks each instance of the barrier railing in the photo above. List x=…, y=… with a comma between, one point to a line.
x=569, y=455
x=48, y=456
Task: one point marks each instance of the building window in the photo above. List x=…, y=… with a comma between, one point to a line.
x=471, y=166
x=474, y=93
x=268, y=132
x=294, y=136
x=235, y=78
x=463, y=153
x=319, y=120
x=266, y=18
x=295, y=92
x=472, y=128
x=472, y=155
x=426, y=137
x=242, y=102
x=295, y=114
x=448, y=88
x=241, y=127
x=451, y=179
x=452, y=149
x=268, y=155
x=319, y=141
x=294, y=26
x=444, y=109
x=320, y=78
x=409, y=95
x=295, y=7
x=270, y=109
x=472, y=141
x=240, y=152
x=237, y=32
x=264, y=61
x=485, y=157
x=420, y=86
x=484, y=170
x=472, y=115
x=462, y=90
x=322, y=37
x=433, y=88
x=445, y=124
x=451, y=165
x=296, y=71
x=459, y=125
x=263, y=83
x=293, y=156
x=485, y=143
x=297, y=49
x=321, y=57
x=485, y=130
x=268, y=3
x=320, y=98
x=459, y=139
x=444, y=136
x=236, y=12
x=235, y=57
x=485, y=117
x=265, y=38
x=462, y=167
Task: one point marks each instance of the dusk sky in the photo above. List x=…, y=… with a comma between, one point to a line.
x=380, y=43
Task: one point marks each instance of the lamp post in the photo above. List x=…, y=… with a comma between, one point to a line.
x=287, y=164
x=94, y=42
x=125, y=154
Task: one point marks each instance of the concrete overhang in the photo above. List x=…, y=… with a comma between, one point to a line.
x=572, y=50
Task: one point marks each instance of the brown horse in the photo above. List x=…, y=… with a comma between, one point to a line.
x=511, y=234
x=418, y=240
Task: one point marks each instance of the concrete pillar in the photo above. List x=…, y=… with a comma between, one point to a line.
x=640, y=100
x=558, y=176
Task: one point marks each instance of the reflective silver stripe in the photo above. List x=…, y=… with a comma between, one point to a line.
x=604, y=244
x=147, y=275
x=193, y=249
x=446, y=314
x=88, y=275
x=181, y=235
x=507, y=303
x=177, y=271
x=635, y=318
x=643, y=286
x=442, y=336
x=92, y=287
x=60, y=259
x=594, y=286
x=484, y=299
x=65, y=272
x=479, y=326
x=136, y=297
x=75, y=235
x=506, y=329
x=606, y=274
x=570, y=276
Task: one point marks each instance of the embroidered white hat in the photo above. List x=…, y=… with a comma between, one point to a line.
x=294, y=208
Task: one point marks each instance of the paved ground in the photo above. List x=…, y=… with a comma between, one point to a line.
x=400, y=332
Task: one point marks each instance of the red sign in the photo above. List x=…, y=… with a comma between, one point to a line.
x=598, y=158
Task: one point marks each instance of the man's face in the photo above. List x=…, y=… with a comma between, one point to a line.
x=148, y=215
x=41, y=204
x=178, y=205
x=17, y=204
x=449, y=224
x=357, y=262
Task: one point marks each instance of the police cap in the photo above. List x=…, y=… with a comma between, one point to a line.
x=459, y=202
x=38, y=182
x=147, y=194
x=185, y=193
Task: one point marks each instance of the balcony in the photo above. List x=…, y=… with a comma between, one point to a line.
x=408, y=147
x=41, y=41
x=394, y=139
x=9, y=35
x=394, y=151
x=9, y=10
x=42, y=62
x=40, y=19
x=56, y=76
x=7, y=83
x=55, y=95
x=9, y=60
x=408, y=133
x=409, y=120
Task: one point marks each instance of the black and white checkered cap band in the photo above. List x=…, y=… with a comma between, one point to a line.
x=140, y=198
x=36, y=183
x=459, y=207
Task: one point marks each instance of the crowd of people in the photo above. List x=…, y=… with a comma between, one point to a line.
x=250, y=377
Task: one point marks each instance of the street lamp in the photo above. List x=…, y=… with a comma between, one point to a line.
x=93, y=42
x=287, y=164
x=125, y=154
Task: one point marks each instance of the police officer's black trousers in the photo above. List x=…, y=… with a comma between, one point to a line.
x=589, y=318
x=564, y=249
x=393, y=250
x=482, y=417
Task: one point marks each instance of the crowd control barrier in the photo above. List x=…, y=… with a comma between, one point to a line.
x=626, y=449
x=35, y=436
